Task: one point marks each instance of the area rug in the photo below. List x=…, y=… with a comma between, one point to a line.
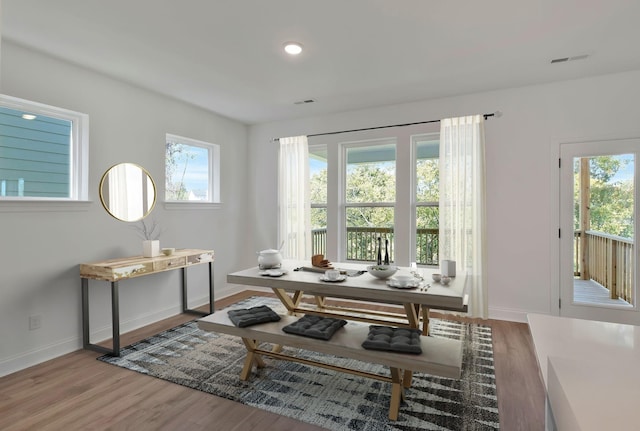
x=212, y=362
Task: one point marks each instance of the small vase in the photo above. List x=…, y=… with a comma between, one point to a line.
x=151, y=248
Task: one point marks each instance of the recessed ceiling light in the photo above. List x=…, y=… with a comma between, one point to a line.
x=293, y=48
x=28, y=116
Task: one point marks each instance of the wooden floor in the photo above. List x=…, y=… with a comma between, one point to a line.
x=593, y=293
x=76, y=391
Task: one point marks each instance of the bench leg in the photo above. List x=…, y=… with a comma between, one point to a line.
x=252, y=357
x=397, y=393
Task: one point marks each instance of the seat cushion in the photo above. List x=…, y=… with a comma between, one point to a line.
x=308, y=325
x=403, y=340
x=252, y=316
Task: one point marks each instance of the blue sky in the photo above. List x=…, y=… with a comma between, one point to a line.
x=626, y=173
x=196, y=177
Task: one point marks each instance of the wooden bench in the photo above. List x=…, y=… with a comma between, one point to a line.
x=442, y=357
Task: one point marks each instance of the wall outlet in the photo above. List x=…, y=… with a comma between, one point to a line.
x=35, y=322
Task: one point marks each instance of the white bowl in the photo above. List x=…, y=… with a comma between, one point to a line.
x=436, y=277
x=168, y=251
x=403, y=280
x=382, y=271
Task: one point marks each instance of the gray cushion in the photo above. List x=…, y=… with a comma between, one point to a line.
x=402, y=340
x=322, y=328
x=251, y=316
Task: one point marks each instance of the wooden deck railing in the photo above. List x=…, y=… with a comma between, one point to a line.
x=608, y=260
x=362, y=243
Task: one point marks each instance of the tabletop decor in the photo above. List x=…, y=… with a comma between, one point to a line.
x=150, y=234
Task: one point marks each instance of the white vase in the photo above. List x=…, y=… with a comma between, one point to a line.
x=151, y=248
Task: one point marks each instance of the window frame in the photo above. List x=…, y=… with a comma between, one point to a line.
x=79, y=154
x=313, y=205
x=415, y=204
x=344, y=205
x=213, y=185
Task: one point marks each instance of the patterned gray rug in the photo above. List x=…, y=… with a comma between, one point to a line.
x=212, y=362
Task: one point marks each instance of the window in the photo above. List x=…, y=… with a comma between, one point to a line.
x=43, y=152
x=192, y=171
x=318, y=193
x=370, y=195
x=427, y=149
x=377, y=185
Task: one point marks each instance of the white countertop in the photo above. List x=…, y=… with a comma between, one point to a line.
x=591, y=371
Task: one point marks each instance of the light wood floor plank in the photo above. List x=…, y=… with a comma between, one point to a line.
x=76, y=391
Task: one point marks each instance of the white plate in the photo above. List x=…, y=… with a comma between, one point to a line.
x=273, y=272
x=342, y=277
x=410, y=285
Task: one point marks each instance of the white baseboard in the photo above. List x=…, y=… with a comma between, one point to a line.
x=232, y=289
x=511, y=315
x=62, y=347
x=37, y=356
x=105, y=333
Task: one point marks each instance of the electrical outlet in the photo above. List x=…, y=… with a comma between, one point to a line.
x=35, y=322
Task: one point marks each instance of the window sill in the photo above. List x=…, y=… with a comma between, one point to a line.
x=190, y=205
x=18, y=206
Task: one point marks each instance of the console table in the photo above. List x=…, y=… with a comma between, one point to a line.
x=115, y=270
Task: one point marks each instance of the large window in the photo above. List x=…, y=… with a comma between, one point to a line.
x=371, y=188
x=370, y=195
x=192, y=170
x=427, y=195
x=318, y=192
x=43, y=151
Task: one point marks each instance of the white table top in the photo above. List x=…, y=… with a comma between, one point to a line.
x=591, y=371
x=363, y=287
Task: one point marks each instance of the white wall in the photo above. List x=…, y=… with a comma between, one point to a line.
x=521, y=170
x=40, y=250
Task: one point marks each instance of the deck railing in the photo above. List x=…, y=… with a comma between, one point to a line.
x=608, y=260
x=362, y=243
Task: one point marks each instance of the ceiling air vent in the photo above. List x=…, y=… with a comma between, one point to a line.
x=304, y=102
x=565, y=59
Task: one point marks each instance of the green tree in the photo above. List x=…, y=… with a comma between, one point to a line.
x=428, y=191
x=371, y=183
x=318, y=192
x=177, y=156
x=611, y=202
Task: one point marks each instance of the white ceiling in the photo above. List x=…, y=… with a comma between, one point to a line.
x=226, y=55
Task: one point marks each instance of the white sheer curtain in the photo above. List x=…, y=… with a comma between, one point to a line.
x=462, y=204
x=294, y=198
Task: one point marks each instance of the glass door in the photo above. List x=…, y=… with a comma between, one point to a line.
x=598, y=225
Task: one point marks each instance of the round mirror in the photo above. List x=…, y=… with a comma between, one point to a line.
x=127, y=192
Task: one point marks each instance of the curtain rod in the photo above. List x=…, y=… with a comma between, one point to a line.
x=496, y=114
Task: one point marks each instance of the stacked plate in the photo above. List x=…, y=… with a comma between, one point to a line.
x=403, y=282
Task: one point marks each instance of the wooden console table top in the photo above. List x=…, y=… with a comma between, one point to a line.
x=137, y=266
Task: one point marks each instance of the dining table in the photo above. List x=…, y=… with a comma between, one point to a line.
x=410, y=305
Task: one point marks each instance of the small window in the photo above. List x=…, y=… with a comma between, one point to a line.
x=192, y=171
x=43, y=152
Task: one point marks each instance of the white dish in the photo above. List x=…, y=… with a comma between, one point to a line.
x=273, y=272
x=382, y=271
x=412, y=284
x=342, y=277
